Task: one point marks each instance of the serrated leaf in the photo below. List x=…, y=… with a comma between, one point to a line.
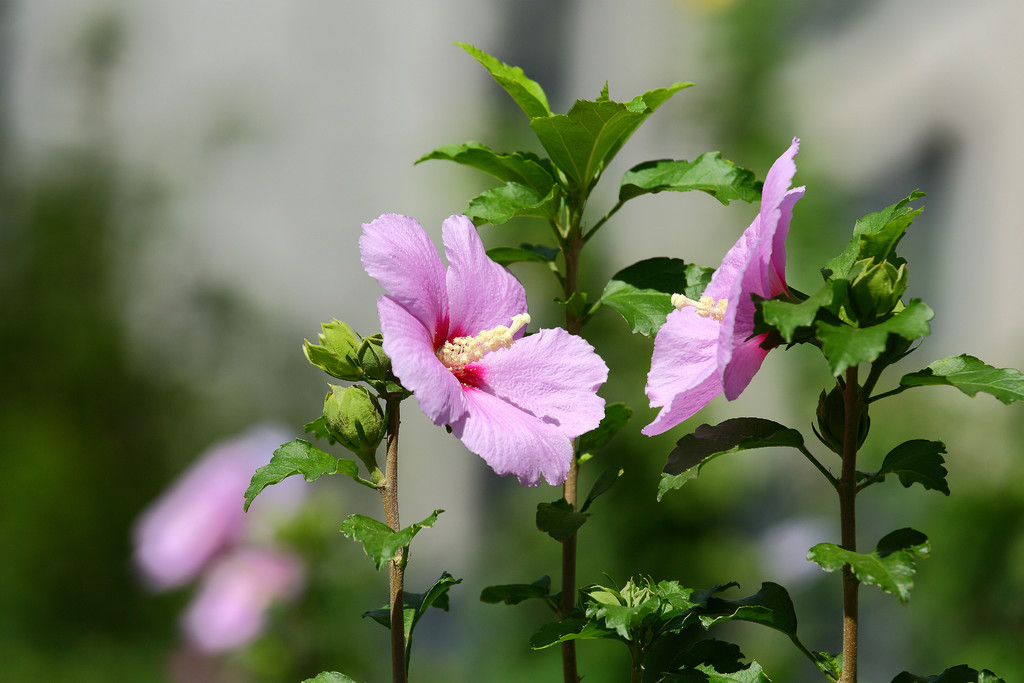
x=559, y=520
x=642, y=293
x=515, y=593
x=970, y=375
x=616, y=415
x=771, y=606
x=705, y=673
x=380, y=542
x=714, y=660
x=890, y=566
x=710, y=173
x=787, y=317
x=318, y=428
x=917, y=462
x=525, y=252
x=583, y=141
x=956, y=674
x=569, y=628
x=527, y=93
x=875, y=236
x=299, y=457
x=708, y=442
x=329, y=677
x=845, y=346
x=501, y=204
x=523, y=168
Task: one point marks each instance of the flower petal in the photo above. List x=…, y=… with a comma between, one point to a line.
x=512, y=441
x=683, y=376
x=481, y=293
x=744, y=362
x=410, y=346
x=552, y=375
x=397, y=253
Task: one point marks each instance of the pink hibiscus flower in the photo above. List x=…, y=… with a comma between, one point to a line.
x=455, y=338
x=705, y=347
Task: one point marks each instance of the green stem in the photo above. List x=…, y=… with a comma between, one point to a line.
x=847, y=489
x=597, y=226
x=396, y=567
x=821, y=468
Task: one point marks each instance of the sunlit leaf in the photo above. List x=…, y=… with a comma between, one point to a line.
x=891, y=566
x=956, y=674
x=845, y=346
x=970, y=375
x=642, y=293
x=329, y=677
x=710, y=173
x=524, y=252
x=527, y=93
x=875, y=236
x=522, y=168
x=501, y=204
x=299, y=457
x=379, y=541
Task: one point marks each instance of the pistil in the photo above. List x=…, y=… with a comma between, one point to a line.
x=457, y=353
x=706, y=306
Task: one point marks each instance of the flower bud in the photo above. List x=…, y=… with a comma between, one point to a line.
x=338, y=352
x=375, y=363
x=875, y=289
x=354, y=418
x=831, y=414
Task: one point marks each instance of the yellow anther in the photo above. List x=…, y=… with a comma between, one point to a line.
x=461, y=351
x=706, y=307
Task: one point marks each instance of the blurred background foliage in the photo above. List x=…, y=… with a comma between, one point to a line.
x=109, y=394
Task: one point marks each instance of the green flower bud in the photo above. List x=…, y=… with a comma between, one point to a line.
x=375, y=363
x=831, y=414
x=354, y=418
x=338, y=352
x=875, y=289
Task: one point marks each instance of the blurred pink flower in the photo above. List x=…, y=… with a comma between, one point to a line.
x=229, y=610
x=455, y=338
x=705, y=347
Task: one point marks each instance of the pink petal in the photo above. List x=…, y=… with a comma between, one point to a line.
x=230, y=608
x=512, y=441
x=552, y=375
x=398, y=254
x=745, y=361
x=481, y=293
x=683, y=375
x=411, y=348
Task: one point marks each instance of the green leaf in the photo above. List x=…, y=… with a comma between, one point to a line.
x=380, y=543
x=845, y=346
x=875, y=236
x=527, y=93
x=956, y=674
x=501, y=204
x=642, y=293
x=318, y=428
x=524, y=252
x=522, y=168
x=329, y=677
x=717, y=661
x=570, y=628
x=891, y=566
x=515, y=593
x=917, y=462
x=604, y=482
x=616, y=415
x=706, y=673
x=415, y=605
x=693, y=451
x=970, y=375
x=771, y=606
x=710, y=173
x=299, y=457
x=558, y=519
x=583, y=141
x=788, y=317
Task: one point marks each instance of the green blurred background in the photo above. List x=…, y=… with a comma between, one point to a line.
x=182, y=189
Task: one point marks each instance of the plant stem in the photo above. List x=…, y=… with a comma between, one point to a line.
x=847, y=489
x=573, y=324
x=396, y=568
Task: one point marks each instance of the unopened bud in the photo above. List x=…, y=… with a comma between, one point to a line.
x=375, y=363
x=338, y=351
x=355, y=420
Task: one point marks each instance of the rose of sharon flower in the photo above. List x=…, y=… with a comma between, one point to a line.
x=705, y=347
x=197, y=528
x=455, y=338
x=230, y=608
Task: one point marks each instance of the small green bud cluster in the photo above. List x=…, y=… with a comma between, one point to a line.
x=875, y=290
